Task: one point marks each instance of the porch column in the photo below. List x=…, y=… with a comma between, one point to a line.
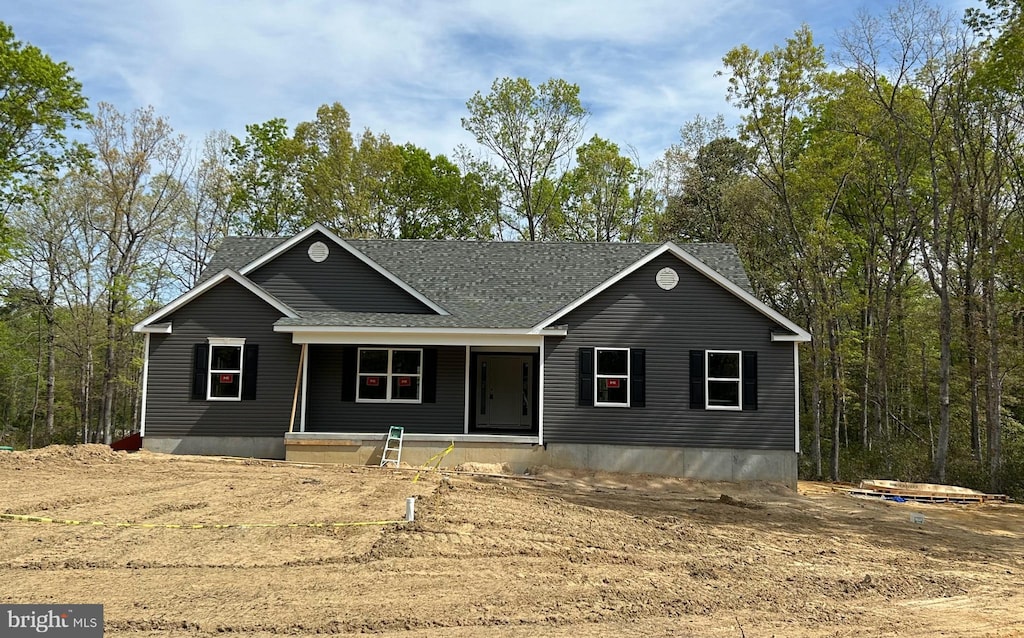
x=304, y=356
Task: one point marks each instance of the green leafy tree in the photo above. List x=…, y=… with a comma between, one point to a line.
x=998, y=86
x=139, y=176
x=433, y=200
x=780, y=92
x=266, y=177
x=41, y=265
x=911, y=62
x=364, y=186
x=532, y=131
x=605, y=196
x=707, y=171
x=39, y=100
x=371, y=208
x=1001, y=27
x=325, y=169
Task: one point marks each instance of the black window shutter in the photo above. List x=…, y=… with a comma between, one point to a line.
x=750, y=380
x=200, y=370
x=585, y=375
x=429, y=379
x=637, y=378
x=348, y=374
x=250, y=355
x=697, y=379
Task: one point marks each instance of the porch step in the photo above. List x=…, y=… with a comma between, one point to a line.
x=393, y=446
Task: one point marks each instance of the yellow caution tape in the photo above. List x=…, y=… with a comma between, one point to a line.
x=41, y=519
x=439, y=456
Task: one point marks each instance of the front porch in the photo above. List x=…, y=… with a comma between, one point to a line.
x=486, y=388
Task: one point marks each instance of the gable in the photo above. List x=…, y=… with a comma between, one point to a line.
x=671, y=256
x=341, y=282
x=222, y=309
x=696, y=310
x=225, y=279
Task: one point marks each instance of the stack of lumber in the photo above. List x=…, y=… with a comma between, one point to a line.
x=923, y=492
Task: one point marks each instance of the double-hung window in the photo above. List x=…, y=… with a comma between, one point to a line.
x=724, y=381
x=390, y=375
x=612, y=377
x=225, y=369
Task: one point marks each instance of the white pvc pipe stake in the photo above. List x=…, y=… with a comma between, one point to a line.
x=410, y=509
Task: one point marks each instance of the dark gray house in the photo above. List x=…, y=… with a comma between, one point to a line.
x=634, y=357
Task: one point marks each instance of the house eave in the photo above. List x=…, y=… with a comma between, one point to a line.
x=391, y=335
x=155, y=328
x=799, y=338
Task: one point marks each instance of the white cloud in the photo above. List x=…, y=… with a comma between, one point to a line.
x=405, y=67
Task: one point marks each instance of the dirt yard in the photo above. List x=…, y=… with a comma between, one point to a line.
x=554, y=554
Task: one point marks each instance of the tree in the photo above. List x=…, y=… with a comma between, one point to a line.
x=706, y=167
x=139, y=176
x=998, y=84
x=780, y=92
x=266, y=180
x=883, y=240
x=605, y=197
x=205, y=207
x=326, y=167
x=1001, y=27
x=926, y=52
x=83, y=291
x=45, y=232
x=532, y=130
x=39, y=99
x=434, y=200
x=370, y=209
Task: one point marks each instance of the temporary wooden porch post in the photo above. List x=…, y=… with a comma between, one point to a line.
x=298, y=385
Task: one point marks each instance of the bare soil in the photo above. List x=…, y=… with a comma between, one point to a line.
x=555, y=553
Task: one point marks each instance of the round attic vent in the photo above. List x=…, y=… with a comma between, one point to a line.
x=667, y=278
x=318, y=251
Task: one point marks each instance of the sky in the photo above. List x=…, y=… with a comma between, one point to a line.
x=406, y=68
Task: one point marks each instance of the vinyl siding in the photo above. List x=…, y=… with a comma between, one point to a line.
x=326, y=412
x=695, y=315
x=226, y=310
x=341, y=282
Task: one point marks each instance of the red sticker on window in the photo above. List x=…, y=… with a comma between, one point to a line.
x=372, y=381
x=227, y=378
x=404, y=382
x=613, y=383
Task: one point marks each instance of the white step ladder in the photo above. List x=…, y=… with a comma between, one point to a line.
x=393, y=446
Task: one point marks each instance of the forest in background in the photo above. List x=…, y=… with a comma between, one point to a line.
x=875, y=193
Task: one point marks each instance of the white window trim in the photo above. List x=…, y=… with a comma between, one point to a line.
x=629, y=380
x=738, y=380
x=388, y=376
x=222, y=342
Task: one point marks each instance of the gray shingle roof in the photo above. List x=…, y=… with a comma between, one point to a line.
x=483, y=284
x=236, y=252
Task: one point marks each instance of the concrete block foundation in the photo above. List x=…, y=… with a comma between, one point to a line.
x=259, y=447
x=519, y=452
x=711, y=464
